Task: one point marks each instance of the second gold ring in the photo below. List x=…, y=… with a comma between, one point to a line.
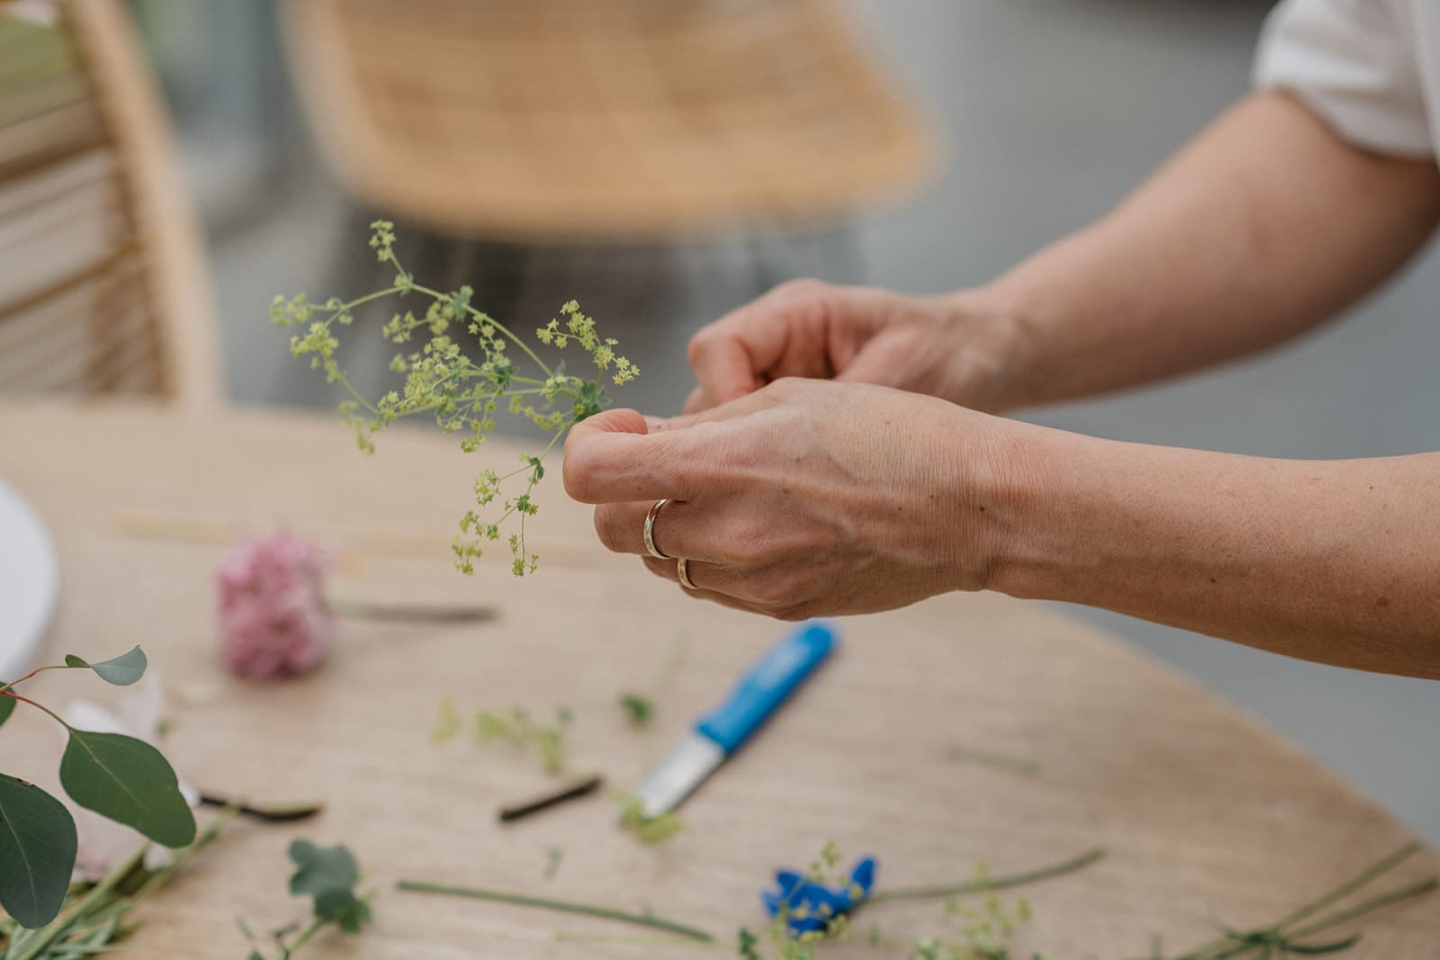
x=650, y=547
x=682, y=569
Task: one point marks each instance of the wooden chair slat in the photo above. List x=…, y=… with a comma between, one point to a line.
x=103, y=286
x=631, y=119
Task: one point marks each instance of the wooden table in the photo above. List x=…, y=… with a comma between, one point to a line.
x=1208, y=817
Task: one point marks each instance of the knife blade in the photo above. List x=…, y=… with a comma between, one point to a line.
x=716, y=736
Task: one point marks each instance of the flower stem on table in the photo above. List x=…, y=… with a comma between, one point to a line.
x=562, y=906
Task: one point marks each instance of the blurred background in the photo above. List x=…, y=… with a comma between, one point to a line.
x=964, y=135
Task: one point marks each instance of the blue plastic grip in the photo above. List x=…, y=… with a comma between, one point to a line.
x=767, y=685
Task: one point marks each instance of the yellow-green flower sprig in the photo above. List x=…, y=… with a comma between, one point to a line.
x=443, y=379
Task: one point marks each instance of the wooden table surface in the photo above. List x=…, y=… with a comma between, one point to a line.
x=1207, y=816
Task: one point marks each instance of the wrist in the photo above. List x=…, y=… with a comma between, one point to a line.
x=1022, y=508
x=993, y=337
x=994, y=473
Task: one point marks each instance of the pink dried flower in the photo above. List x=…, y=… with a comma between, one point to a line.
x=273, y=618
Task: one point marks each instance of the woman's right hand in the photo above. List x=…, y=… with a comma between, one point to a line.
x=958, y=347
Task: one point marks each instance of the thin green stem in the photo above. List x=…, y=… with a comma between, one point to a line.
x=4, y=688
x=359, y=397
x=37, y=706
x=97, y=898
x=1350, y=886
x=494, y=323
x=1226, y=947
x=562, y=906
x=346, y=308
x=1417, y=889
x=991, y=883
x=639, y=940
x=182, y=856
x=288, y=949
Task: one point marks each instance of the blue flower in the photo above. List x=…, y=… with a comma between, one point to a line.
x=811, y=906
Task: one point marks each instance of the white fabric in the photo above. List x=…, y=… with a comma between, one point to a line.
x=1371, y=68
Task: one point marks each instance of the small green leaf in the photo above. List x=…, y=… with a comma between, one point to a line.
x=342, y=907
x=37, y=852
x=120, y=671
x=7, y=707
x=322, y=869
x=128, y=781
x=638, y=707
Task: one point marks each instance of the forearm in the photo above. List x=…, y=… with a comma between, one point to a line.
x=1334, y=561
x=1263, y=227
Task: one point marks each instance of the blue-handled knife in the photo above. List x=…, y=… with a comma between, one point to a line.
x=722, y=731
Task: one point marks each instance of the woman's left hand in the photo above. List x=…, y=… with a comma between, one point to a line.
x=805, y=498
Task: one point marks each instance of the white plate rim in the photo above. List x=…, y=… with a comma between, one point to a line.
x=30, y=569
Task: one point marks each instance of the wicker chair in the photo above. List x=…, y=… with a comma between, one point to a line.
x=103, y=284
x=575, y=120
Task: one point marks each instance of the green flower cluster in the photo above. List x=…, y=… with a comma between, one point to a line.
x=516, y=727
x=985, y=931
x=463, y=385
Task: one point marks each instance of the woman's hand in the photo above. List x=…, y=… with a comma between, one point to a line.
x=804, y=498
x=956, y=347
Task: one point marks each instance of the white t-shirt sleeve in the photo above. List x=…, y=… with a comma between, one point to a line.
x=1354, y=63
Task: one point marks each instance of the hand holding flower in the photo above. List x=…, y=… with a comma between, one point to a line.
x=805, y=498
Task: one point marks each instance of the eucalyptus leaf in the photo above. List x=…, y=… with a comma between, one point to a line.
x=322, y=870
x=37, y=852
x=128, y=781
x=344, y=909
x=121, y=671
x=7, y=707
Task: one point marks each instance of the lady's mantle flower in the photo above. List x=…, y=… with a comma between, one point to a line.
x=810, y=906
x=273, y=618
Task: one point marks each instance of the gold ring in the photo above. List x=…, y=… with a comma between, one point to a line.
x=650, y=529
x=683, y=569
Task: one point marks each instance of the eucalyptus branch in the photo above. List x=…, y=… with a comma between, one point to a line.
x=6, y=687
x=37, y=706
x=562, y=906
x=116, y=776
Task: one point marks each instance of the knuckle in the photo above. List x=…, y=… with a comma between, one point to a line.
x=701, y=343
x=577, y=473
x=607, y=528
x=804, y=288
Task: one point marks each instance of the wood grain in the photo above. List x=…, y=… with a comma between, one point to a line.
x=1207, y=816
